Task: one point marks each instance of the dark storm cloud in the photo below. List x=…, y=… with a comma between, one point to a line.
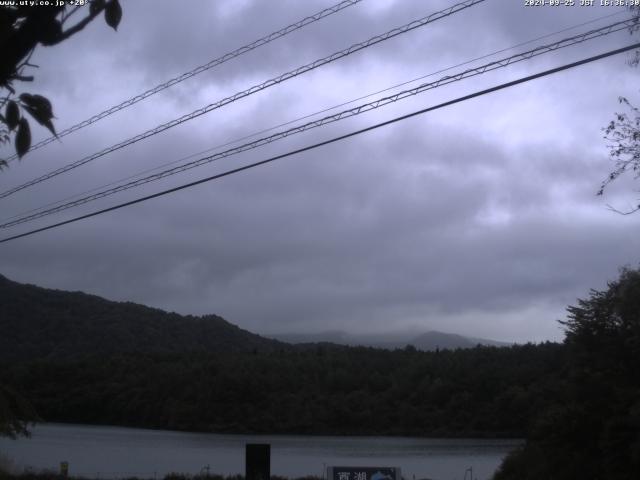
x=479, y=219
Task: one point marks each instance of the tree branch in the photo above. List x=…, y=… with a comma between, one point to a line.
x=23, y=78
x=80, y=25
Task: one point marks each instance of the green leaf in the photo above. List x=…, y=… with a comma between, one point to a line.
x=45, y=122
x=113, y=14
x=13, y=114
x=39, y=103
x=23, y=138
x=42, y=121
x=40, y=109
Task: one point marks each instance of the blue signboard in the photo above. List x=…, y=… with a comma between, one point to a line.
x=363, y=473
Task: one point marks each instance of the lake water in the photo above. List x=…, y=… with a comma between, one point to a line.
x=113, y=452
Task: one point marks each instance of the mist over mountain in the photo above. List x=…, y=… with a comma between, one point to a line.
x=428, y=341
x=37, y=322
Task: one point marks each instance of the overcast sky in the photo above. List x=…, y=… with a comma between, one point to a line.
x=480, y=218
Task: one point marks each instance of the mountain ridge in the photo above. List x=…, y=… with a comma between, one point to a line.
x=427, y=341
x=37, y=322
x=43, y=323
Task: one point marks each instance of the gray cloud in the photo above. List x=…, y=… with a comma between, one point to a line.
x=479, y=219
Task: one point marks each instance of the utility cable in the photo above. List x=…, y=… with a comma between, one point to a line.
x=381, y=102
x=304, y=117
x=202, y=68
x=256, y=88
x=332, y=140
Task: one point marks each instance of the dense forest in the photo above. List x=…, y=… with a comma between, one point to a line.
x=486, y=391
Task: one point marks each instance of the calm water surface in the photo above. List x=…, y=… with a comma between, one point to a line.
x=112, y=452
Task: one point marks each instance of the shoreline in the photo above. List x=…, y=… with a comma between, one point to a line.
x=484, y=436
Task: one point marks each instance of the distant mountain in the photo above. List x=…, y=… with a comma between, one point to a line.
x=41, y=323
x=432, y=340
x=428, y=341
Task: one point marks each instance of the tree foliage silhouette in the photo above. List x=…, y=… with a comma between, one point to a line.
x=623, y=133
x=14, y=409
x=22, y=29
x=592, y=429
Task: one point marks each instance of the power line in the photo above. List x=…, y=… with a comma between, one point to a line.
x=202, y=68
x=381, y=102
x=256, y=88
x=332, y=140
x=304, y=117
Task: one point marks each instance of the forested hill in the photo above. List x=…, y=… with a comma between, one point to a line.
x=83, y=359
x=37, y=322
